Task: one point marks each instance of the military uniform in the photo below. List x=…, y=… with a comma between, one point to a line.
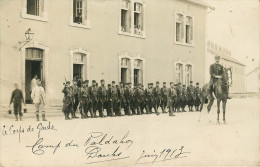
x=191, y=96
x=84, y=99
x=157, y=97
x=164, y=98
x=215, y=70
x=93, y=92
x=197, y=96
x=149, y=98
x=67, y=107
x=179, y=97
x=108, y=103
x=75, y=96
x=140, y=99
x=102, y=97
x=184, y=98
x=129, y=94
x=121, y=97
x=172, y=99
x=17, y=99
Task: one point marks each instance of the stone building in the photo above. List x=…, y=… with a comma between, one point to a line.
x=123, y=40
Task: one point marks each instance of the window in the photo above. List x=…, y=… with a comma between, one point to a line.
x=79, y=14
x=125, y=17
x=34, y=53
x=189, y=31
x=125, y=70
x=79, y=64
x=188, y=73
x=132, y=18
x=138, y=71
x=138, y=18
x=179, y=72
x=183, y=29
x=35, y=9
x=179, y=28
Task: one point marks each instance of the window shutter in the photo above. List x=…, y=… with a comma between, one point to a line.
x=141, y=20
x=191, y=30
x=129, y=19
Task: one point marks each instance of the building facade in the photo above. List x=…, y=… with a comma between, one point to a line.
x=253, y=81
x=123, y=40
x=238, y=69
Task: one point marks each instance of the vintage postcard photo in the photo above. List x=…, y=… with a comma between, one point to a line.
x=129, y=83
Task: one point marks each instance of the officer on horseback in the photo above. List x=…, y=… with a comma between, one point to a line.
x=216, y=71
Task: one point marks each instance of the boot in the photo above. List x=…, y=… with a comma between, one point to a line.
x=16, y=117
x=37, y=117
x=43, y=117
x=75, y=115
x=68, y=116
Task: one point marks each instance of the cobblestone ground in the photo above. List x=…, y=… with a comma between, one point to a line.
x=204, y=142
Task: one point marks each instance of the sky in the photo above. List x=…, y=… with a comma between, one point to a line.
x=234, y=24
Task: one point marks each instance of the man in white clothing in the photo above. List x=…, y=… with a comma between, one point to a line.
x=38, y=97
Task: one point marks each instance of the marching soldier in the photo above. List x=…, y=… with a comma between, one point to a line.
x=164, y=97
x=17, y=100
x=118, y=107
x=102, y=96
x=157, y=97
x=129, y=94
x=75, y=91
x=149, y=98
x=172, y=99
x=84, y=100
x=197, y=99
x=67, y=100
x=93, y=91
x=191, y=95
x=184, y=98
x=121, y=97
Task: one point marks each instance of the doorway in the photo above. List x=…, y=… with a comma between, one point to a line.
x=32, y=67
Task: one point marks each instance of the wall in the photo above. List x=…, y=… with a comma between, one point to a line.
x=102, y=42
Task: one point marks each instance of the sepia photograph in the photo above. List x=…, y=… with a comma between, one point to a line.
x=129, y=83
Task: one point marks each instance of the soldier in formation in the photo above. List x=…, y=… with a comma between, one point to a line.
x=117, y=100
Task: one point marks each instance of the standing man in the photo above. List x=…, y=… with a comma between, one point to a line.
x=149, y=98
x=191, y=95
x=17, y=99
x=38, y=96
x=157, y=97
x=102, y=96
x=108, y=103
x=172, y=96
x=121, y=97
x=93, y=91
x=84, y=100
x=114, y=99
x=179, y=96
x=197, y=95
x=164, y=97
x=33, y=82
x=75, y=90
x=184, y=98
x=67, y=100
x=140, y=99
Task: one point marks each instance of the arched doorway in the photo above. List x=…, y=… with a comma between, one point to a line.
x=33, y=66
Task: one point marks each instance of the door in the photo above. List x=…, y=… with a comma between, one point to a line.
x=77, y=70
x=31, y=68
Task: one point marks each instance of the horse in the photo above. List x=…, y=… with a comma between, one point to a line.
x=220, y=90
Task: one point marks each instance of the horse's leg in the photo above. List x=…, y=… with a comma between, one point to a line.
x=224, y=110
x=209, y=107
x=218, y=104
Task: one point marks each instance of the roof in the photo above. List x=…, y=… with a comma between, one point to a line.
x=200, y=2
x=224, y=56
x=255, y=69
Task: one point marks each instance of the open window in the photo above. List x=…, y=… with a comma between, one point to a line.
x=35, y=9
x=125, y=16
x=189, y=30
x=79, y=15
x=179, y=28
x=138, y=18
x=188, y=73
x=179, y=72
x=79, y=65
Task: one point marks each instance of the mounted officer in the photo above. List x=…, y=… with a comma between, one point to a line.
x=216, y=71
